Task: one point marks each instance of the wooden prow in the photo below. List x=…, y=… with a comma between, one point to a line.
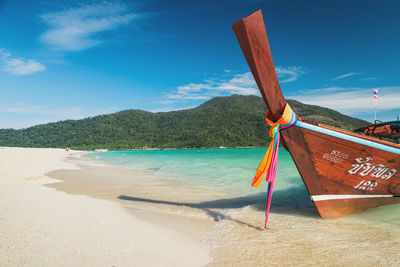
x=332, y=184
x=251, y=34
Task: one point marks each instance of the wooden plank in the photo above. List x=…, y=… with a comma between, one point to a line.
x=383, y=142
x=300, y=153
x=252, y=36
x=330, y=209
x=321, y=140
x=332, y=175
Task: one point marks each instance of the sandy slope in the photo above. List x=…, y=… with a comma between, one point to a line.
x=42, y=227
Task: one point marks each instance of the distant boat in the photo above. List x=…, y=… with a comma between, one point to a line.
x=344, y=172
x=388, y=129
x=101, y=150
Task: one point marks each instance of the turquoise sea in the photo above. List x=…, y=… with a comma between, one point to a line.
x=221, y=173
x=221, y=180
x=224, y=170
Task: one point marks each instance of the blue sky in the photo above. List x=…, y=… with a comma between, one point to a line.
x=73, y=59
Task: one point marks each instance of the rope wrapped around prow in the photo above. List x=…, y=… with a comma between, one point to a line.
x=269, y=163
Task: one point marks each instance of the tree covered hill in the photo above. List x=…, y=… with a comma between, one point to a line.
x=222, y=121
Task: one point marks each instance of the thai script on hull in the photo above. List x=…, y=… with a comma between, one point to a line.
x=365, y=167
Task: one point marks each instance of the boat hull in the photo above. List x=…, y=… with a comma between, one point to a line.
x=341, y=176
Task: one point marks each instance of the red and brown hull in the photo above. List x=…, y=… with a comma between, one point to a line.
x=342, y=176
x=344, y=172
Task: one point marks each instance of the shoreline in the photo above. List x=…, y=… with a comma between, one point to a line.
x=133, y=190
x=152, y=148
x=295, y=230
x=45, y=227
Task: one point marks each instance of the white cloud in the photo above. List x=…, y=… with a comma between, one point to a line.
x=369, y=79
x=352, y=100
x=165, y=102
x=289, y=74
x=19, y=66
x=23, y=115
x=78, y=28
x=344, y=76
x=170, y=108
x=242, y=84
x=22, y=108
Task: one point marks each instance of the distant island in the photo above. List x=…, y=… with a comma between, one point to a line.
x=232, y=121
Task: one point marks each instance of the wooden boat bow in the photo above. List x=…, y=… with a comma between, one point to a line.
x=343, y=172
x=252, y=36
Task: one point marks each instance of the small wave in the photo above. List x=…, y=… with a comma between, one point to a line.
x=85, y=162
x=154, y=169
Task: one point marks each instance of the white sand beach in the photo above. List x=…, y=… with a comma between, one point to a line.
x=40, y=226
x=93, y=214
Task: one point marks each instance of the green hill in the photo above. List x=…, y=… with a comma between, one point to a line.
x=222, y=121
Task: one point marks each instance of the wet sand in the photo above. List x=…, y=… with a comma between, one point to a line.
x=136, y=191
x=232, y=227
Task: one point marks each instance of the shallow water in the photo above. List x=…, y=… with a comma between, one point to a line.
x=216, y=183
x=220, y=170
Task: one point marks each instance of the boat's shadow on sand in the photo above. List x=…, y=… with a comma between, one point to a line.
x=290, y=201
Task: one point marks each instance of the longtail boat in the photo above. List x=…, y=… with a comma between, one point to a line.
x=344, y=172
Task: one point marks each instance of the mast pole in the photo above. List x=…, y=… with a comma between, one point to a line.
x=376, y=101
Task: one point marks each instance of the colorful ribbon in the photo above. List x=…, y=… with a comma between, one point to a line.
x=269, y=163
